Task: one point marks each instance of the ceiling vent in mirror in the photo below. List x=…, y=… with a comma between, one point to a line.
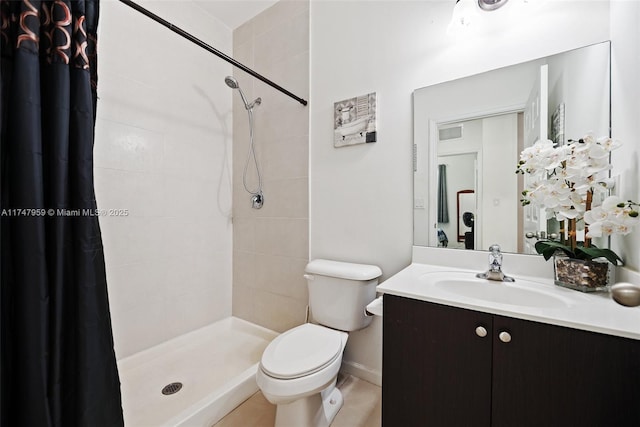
x=491, y=4
x=446, y=134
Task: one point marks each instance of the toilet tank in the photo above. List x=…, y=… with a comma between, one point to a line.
x=340, y=291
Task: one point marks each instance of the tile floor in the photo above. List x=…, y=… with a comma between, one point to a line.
x=362, y=407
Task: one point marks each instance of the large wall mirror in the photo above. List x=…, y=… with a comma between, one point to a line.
x=468, y=135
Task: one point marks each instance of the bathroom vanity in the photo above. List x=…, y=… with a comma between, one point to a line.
x=529, y=355
x=464, y=351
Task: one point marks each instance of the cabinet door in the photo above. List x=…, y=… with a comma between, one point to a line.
x=436, y=370
x=553, y=376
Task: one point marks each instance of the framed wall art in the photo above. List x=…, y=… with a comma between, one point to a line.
x=355, y=120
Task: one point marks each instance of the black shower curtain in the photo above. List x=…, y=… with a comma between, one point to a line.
x=443, y=205
x=57, y=362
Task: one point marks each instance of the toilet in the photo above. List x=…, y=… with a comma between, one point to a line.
x=299, y=368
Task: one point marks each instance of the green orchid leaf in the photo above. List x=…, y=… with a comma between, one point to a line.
x=548, y=248
x=592, y=252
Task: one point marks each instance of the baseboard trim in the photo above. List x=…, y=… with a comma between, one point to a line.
x=363, y=372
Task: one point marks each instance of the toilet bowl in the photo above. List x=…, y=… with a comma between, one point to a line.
x=302, y=361
x=299, y=369
x=298, y=373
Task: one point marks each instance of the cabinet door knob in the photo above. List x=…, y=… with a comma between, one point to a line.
x=481, y=331
x=504, y=336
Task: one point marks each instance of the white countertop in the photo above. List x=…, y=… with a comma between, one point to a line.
x=595, y=312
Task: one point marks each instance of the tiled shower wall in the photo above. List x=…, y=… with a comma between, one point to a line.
x=163, y=153
x=271, y=245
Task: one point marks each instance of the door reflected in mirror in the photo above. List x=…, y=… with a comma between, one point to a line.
x=469, y=133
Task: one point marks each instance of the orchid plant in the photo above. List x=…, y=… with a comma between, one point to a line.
x=563, y=181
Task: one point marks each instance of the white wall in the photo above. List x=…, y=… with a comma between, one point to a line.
x=567, y=80
x=162, y=151
x=361, y=196
x=625, y=69
x=271, y=244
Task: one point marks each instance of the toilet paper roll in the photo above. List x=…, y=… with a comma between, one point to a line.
x=374, y=308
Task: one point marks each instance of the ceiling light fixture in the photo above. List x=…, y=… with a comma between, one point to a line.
x=491, y=4
x=466, y=11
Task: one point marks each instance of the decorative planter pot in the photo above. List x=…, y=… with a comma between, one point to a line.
x=581, y=275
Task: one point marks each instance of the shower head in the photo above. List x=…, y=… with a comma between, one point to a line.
x=233, y=84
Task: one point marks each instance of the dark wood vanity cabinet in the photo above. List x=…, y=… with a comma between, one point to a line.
x=438, y=370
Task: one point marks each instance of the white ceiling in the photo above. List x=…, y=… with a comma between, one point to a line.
x=234, y=13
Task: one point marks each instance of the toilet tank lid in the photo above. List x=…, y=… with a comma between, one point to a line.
x=343, y=270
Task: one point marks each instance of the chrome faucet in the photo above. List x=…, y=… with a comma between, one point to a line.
x=495, y=266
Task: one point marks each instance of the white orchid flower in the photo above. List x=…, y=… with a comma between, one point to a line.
x=589, y=138
x=600, y=229
x=612, y=217
x=611, y=203
x=608, y=144
x=564, y=175
x=605, y=184
x=597, y=151
x=595, y=215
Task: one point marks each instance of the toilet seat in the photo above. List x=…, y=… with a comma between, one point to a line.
x=301, y=351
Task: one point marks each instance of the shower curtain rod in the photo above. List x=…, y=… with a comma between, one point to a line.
x=211, y=49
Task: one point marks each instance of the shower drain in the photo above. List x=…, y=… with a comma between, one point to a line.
x=171, y=388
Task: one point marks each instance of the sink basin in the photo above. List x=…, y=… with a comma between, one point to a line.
x=522, y=293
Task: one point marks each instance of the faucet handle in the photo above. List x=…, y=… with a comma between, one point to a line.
x=495, y=258
x=495, y=248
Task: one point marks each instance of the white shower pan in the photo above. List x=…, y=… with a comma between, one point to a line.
x=216, y=366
